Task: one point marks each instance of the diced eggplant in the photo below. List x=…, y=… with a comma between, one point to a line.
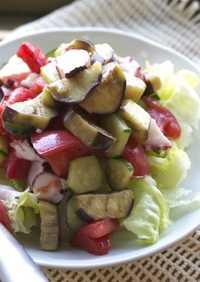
x=49, y=236
x=23, y=117
x=137, y=119
x=135, y=87
x=97, y=57
x=49, y=187
x=89, y=133
x=77, y=88
x=99, y=206
x=107, y=97
x=72, y=62
x=106, y=52
x=153, y=82
x=77, y=44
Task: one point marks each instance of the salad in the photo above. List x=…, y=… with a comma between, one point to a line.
x=91, y=141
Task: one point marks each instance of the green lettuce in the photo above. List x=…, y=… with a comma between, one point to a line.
x=178, y=95
x=23, y=210
x=150, y=214
x=169, y=167
x=176, y=196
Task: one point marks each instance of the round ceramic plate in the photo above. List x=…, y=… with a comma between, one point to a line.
x=124, y=244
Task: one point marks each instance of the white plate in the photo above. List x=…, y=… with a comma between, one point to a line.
x=124, y=245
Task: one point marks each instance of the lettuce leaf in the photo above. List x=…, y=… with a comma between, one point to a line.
x=175, y=197
x=178, y=95
x=23, y=209
x=170, y=167
x=150, y=214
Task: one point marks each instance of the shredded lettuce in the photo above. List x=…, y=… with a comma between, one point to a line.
x=170, y=167
x=23, y=209
x=150, y=214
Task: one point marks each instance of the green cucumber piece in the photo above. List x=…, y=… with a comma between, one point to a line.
x=72, y=220
x=85, y=174
x=119, y=172
x=3, y=148
x=49, y=72
x=118, y=128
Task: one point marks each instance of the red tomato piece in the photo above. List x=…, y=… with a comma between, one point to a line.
x=15, y=167
x=165, y=120
x=135, y=154
x=96, y=246
x=4, y=218
x=100, y=228
x=33, y=56
x=95, y=237
x=20, y=94
x=13, y=81
x=59, y=147
x=38, y=85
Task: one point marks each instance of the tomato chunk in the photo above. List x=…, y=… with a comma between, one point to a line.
x=95, y=237
x=59, y=147
x=38, y=85
x=135, y=154
x=4, y=218
x=165, y=120
x=33, y=56
x=15, y=167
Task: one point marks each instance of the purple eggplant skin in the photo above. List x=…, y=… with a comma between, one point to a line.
x=76, y=44
x=79, y=87
x=72, y=62
x=83, y=215
x=89, y=133
x=108, y=96
x=96, y=57
x=116, y=204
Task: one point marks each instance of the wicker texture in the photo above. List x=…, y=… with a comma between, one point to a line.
x=175, y=24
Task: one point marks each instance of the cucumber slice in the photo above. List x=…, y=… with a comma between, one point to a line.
x=3, y=148
x=119, y=172
x=49, y=72
x=117, y=127
x=85, y=174
x=72, y=220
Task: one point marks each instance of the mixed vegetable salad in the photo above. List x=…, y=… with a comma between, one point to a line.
x=92, y=132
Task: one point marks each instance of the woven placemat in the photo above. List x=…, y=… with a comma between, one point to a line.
x=176, y=24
